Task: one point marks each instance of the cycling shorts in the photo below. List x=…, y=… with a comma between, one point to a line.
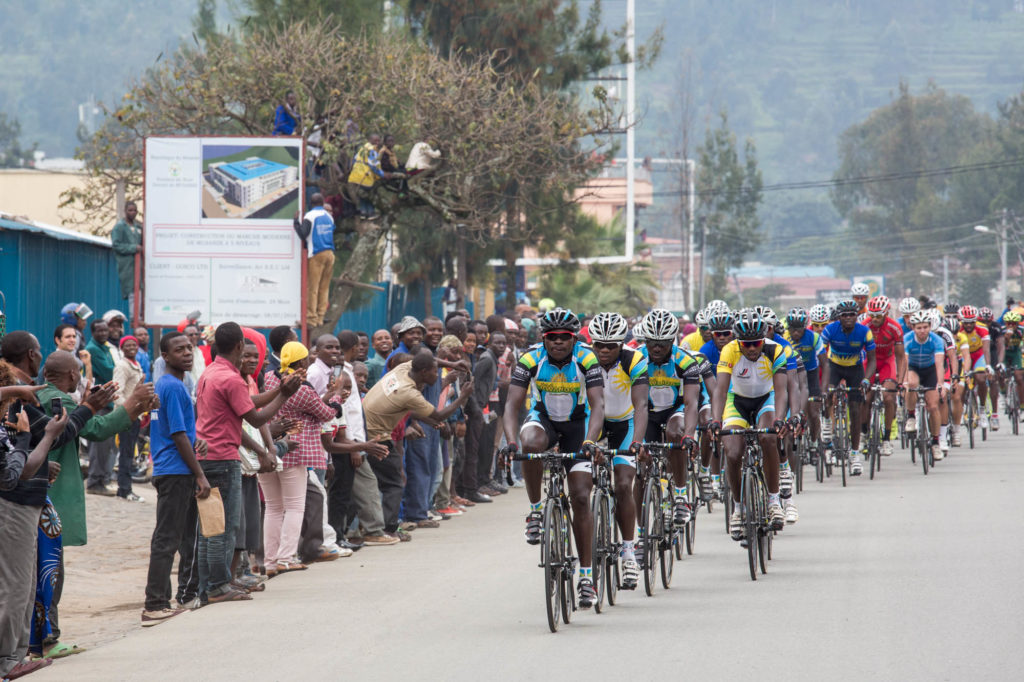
x=656, y=422
x=978, y=363
x=1013, y=360
x=568, y=436
x=620, y=436
x=745, y=413
x=854, y=374
x=813, y=384
x=927, y=377
x=886, y=369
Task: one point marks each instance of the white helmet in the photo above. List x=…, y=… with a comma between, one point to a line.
x=659, y=325
x=920, y=316
x=608, y=328
x=909, y=306
x=819, y=313
x=701, y=318
x=717, y=304
x=767, y=314
x=935, y=317
x=638, y=333
x=860, y=289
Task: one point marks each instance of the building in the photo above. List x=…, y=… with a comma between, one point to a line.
x=246, y=182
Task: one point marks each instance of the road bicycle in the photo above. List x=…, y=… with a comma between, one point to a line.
x=757, y=530
x=657, y=528
x=876, y=428
x=607, y=565
x=841, y=442
x=1012, y=400
x=972, y=411
x=556, y=555
x=921, y=445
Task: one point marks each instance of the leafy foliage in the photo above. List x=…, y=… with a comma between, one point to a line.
x=12, y=153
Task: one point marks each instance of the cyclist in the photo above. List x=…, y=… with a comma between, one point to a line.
x=1013, y=335
x=720, y=322
x=925, y=350
x=908, y=307
x=995, y=335
x=951, y=393
x=694, y=340
x=847, y=339
x=819, y=316
x=756, y=368
x=808, y=344
x=624, y=372
x=859, y=292
x=975, y=350
x=675, y=385
x=566, y=388
x=889, y=358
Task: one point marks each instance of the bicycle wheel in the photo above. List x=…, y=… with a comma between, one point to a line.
x=800, y=453
x=650, y=513
x=926, y=454
x=761, y=527
x=667, y=555
x=970, y=416
x=819, y=466
x=727, y=503
x=690, y=531
x=613, y=574
x=599, y=548
x=551, y=560
x=567, y=593
x=749, y=521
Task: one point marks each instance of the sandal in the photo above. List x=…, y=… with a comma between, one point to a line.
x=26, y=667
x=286, y=566
x=63, y=649
x=257, y=587
x=230, y=594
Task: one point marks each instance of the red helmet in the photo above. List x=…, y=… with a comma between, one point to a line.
x=878, y=305
x=968, y=313
x=985, y=314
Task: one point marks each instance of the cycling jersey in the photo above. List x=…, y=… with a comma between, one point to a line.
x=887, y=336
x=559, y=392
x=906, y=327
x=710, y=351
x=920, y=354
x=665, y=379
x=845, y=349
x=1013, y=339
x=692, y=342
x=974, y=340
x=809, y=347
x=619, y=379
x=752, y=378
x=792, y=357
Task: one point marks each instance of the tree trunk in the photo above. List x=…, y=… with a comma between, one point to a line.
x=365, y=253
x=428, y=302
x=511, y=251
x=462, y=274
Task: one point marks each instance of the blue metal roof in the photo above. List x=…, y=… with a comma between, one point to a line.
x=250, y=168
x=9, y=222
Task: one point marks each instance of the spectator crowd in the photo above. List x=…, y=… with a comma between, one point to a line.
x=268, y=454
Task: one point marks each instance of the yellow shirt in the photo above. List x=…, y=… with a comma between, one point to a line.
x=751, y=378
x=692, y=341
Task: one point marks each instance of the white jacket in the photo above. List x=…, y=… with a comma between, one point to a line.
x=422, y=157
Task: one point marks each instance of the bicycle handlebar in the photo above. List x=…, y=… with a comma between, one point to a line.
x=528, y=456
x=743, y=432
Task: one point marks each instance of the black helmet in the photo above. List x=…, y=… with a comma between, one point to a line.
x=721, y=320
x=559, y=319
x=796, y=317
x=844, y=307
x=749, y=326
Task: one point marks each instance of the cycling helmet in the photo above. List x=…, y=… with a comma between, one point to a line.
x=749, y=326
x=659, y=325
x=878, y=305
x=860, y=289
x=968, y=313
x=559, y=319
x=844, y=307
x=638, y=332
x=608, y=328
x=721, y=321
x=1012, y=316
x=920, y=316
x=909, y=306
x=833, y=314
x=780, y=328
x=935, y=317
x=767, y=314
x=701, y=318
x=818, y=313
x=717, y=304
x=985, y=314
x=796, y=317
x=951, y=323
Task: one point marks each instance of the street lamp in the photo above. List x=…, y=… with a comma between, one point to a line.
x=1001, y=243
x=925, y=273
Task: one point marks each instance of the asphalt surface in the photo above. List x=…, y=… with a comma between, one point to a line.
x=905, y=577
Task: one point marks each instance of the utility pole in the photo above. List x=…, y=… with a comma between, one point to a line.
x=630, y=127
x=945, y=279
x=1004, y=228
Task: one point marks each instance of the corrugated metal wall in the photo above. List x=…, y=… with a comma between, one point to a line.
x=39, y=274
x=380, y=312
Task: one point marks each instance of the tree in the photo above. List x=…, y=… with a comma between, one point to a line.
x=12, y=154
x=629, y=289
x=494, y=132
x=729, y=192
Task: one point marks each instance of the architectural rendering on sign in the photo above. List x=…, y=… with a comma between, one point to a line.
x=246, y=182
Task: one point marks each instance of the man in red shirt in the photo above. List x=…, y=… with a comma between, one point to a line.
x=891, y=361
x=222, y=402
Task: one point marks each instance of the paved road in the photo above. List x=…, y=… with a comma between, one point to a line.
x=904, y=577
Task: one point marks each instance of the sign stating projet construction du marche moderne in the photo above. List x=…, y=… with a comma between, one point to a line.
x=218, y=229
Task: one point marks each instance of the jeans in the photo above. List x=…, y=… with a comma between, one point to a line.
x=125, y=458
x=390, y=481
x=421, y=463
x=175, y=503
x=216, y=552
x=485, y=454
x=101, y=459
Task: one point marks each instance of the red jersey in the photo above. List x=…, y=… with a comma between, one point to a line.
x=887, y=335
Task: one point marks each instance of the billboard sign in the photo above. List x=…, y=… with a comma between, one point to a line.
x=218, y=234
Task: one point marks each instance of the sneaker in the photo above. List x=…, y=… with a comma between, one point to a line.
x=192, y=604
x=826, y=429
x=587, y=593
x=831, y=459
x=956, y=439
x=856, y=468
x=886, y=449
x=993, y=421
x=431, y=514
x=499, y=485
x=786, y=483
x=983, y=423
x=132, y=497
x=704, y=482
x=682, y=512
x=792, y=515
x=911, y=426
x=450, y=511
x=401, y=535
x=519, y=483
x=940, y=451
x=716, y=489
x=407, y=526
x=428, y=523
x=630, y=574
x=101, y=490
x=533, y=527
x=944, y=447
x=736, y=529
x=151, y=618
x=638, y=552
x=776, y=517
x=382, y=539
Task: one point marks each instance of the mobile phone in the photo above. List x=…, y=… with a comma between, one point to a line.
x=56, y=407
x=94, y=388
x=13, y=411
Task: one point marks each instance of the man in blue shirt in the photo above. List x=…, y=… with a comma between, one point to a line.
x=142, y=355
x=317, y=231
x=178, y=480
x=286, y=117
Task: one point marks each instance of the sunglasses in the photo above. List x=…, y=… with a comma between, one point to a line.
x=602, y=345
x=722, y=335
x=558, y=336
x=752, y=344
